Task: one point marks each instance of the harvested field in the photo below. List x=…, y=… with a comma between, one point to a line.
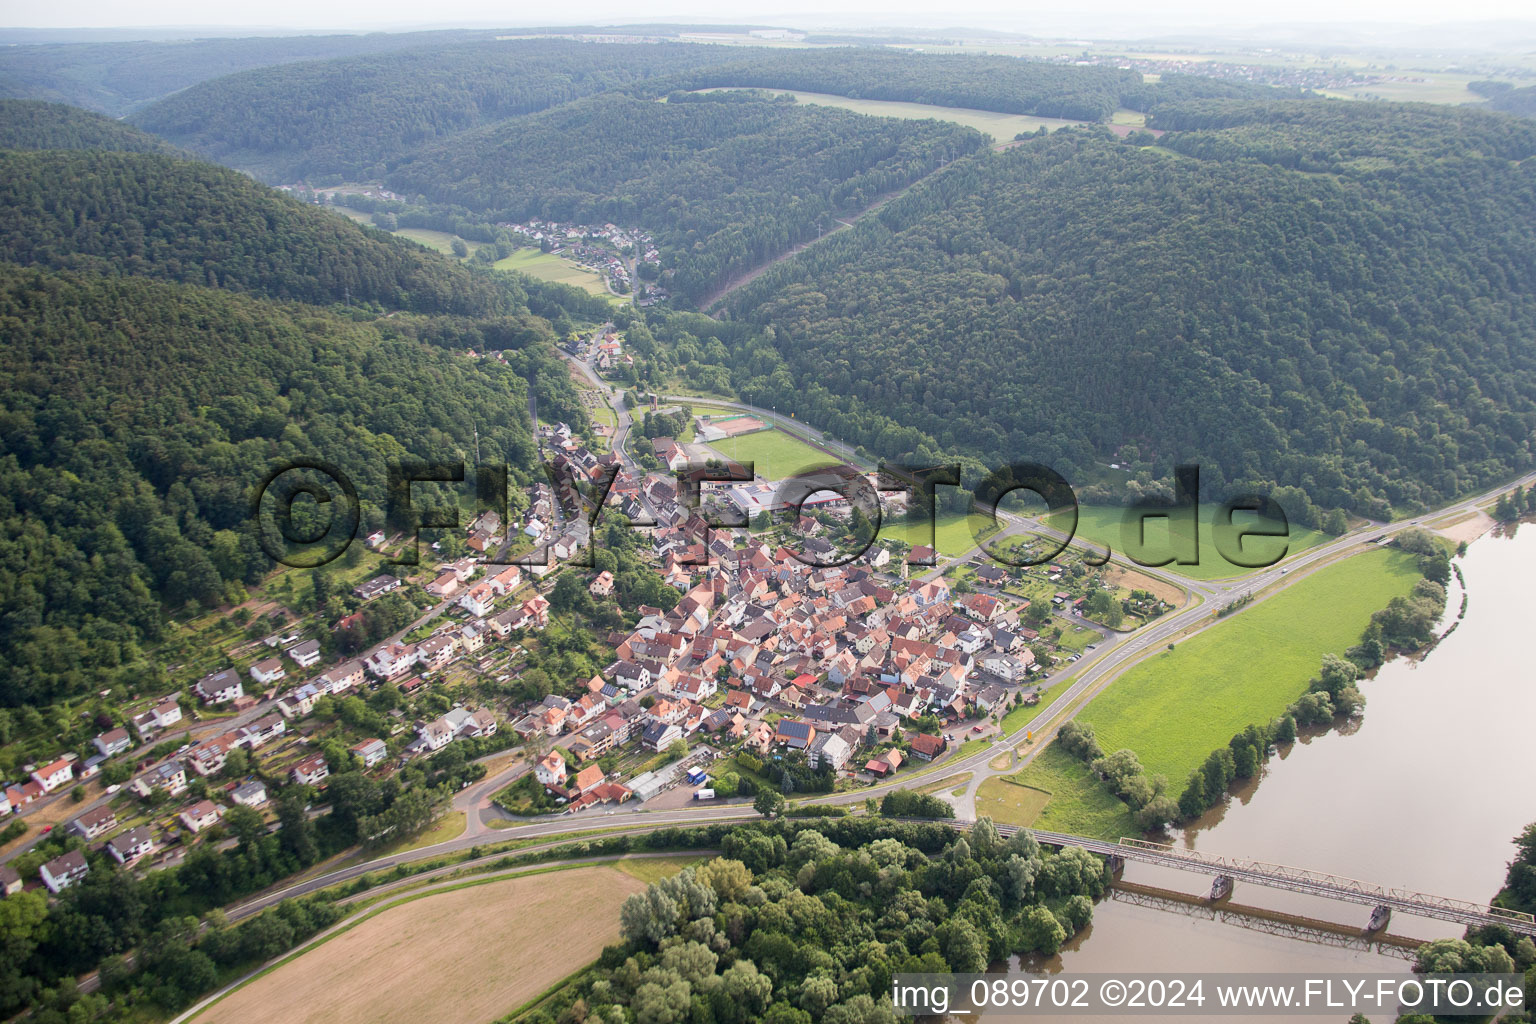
x=458, y=957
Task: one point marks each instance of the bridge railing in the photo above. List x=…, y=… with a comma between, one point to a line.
x=1308, y=876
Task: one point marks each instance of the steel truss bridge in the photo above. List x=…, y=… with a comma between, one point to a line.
x=1227, y=871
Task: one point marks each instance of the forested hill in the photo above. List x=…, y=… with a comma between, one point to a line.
x=347, y=118
x=117, y=77
x=35, y=124
x=182, y=220
x=725, y=182
x=983, y=82
x=1335, y=296
x=138, y=415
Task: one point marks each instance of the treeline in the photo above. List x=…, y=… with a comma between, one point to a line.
x=140, y=415
x=36, y=124
x=1506, y=98
x=798, y=922
x=348, y=118
x=180, y=220
x=980, y=81
x=1360, y=337
x=723, y=185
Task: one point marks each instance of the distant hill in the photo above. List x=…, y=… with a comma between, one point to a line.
x=182, y=220
x=1329, y=296
x=348, y=118
x=36, y=124
x=117, y=77
x=726, y=180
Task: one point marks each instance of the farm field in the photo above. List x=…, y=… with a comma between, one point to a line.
x=443, y=958
x=1001, y=127
x=548, y=267
x=1101, y=525
x=1176, y=707
x=776, y=453
x=952, y=533
x=1078, y=803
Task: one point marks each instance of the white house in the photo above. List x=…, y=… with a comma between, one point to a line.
x=201, y=815
x=268, y=671
x=220, y=687
x=131, y=845
x=52, y=776
x=63, y=871
x=305, y=654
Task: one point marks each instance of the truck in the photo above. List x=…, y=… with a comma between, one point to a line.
x=704, y=794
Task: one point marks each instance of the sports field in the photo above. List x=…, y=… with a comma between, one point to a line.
x=776, y=453
x=549, y=267
x=952, y=531
x=1177, y=706
x=1103, y=525
x=459, y=957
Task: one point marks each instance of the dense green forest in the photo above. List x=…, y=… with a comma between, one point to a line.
x=1339, y=297
x=197, y=223
x=37, y=124
x=791, y=926
x=1506, y=98
x=981, y=81
x=725, y=185
x=138, y=416
x=118, y=77
x=348, y=118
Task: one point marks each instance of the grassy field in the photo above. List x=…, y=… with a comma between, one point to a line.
x=548, y=267
x=1021, y=716
x=1078, y=802
x=1174, y=708
x=444, y=958
x=442, y=241
x=1010, y=803
x=654, y=869
x=952, y=533
x=1103, y=525
x=1001, y=127
x=776, y=453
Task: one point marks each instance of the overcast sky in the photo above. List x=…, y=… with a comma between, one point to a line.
x=1103, y=17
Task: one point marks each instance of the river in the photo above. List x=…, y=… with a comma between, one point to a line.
x=1424, y=793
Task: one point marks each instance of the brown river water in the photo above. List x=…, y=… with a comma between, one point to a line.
x=1424, y=793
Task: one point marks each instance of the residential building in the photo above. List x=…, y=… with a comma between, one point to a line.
x=252, y=794
x=55, y=775
x=373, y=588
x=220, y=687
x=550, y=771
x=268, y=671
x=370, y=751
x=305, y=654
x=829, y=748
x=131, y=845
x=201, y=815
x=926, y=747
x=98, y=821
x=63, y=871
x=114, y=741
x=168, y=776
x=311, y=771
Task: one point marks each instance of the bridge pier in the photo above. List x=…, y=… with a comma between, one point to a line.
x=1116, y=865
x=1221, y=888
x=1379, y=918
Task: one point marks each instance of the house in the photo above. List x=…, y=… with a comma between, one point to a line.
x=660, y=735
x=371, y=589
x=131, y=845
x=96, y=822
x=63, y=871
x=926, y=747
x=201, y=815
x=550, y=771
x=209, y=756
x=829, y=748
x=305, y=654
x=603, y=585
x=162, y=715
x=370, y=751
x=252, y=794
x=344, y=677
x=264, y=730
x=311, y=771
x=268, y=672
x=10, y=881
x=479, y=599
x=794, y=734
x=170, y=777
x=990, y=696
x=884, y=764
x=390, y=661
x=114, y=741
x=299, y=702
x=587, y=779
x=54, y=775
x=224, y=686
x=444, y=586
x=435, y=652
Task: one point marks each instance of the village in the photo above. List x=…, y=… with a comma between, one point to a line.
x=768, y=670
